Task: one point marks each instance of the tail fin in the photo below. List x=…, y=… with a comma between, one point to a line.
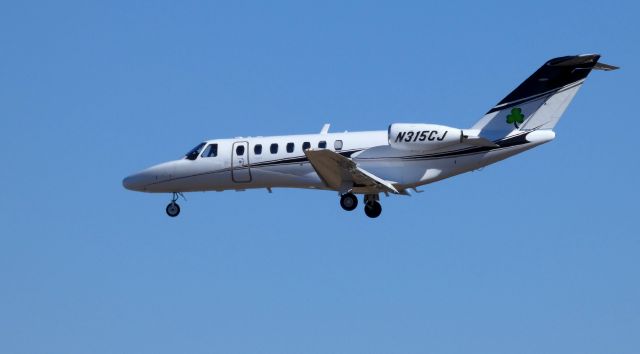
x=540, y=101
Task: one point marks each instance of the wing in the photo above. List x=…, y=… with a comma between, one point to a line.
x=342, y=174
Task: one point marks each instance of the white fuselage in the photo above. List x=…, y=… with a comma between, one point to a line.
x=405, y=156
x=251, y=162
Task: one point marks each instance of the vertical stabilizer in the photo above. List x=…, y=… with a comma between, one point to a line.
x=540, y=101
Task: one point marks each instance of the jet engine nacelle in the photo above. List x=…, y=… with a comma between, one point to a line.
x=422, y=137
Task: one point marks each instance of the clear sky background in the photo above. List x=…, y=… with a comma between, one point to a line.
x=536, y=254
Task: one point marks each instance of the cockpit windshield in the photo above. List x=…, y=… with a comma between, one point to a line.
x=193, y=153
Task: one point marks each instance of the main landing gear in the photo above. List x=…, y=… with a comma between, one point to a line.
x=173, y=209
x=348, y=201
x=372, y=207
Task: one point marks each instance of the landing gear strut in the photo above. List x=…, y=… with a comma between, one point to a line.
x=372, y=207
x=348, y=201
x=173, y=209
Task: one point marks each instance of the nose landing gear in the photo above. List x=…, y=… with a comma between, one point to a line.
x=173, y=209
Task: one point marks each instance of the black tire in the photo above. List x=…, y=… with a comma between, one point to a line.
x=373, y=209
x=348, y=201
x=173, y=209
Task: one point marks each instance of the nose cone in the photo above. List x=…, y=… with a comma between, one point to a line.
x=150, y=179
x=135, y=182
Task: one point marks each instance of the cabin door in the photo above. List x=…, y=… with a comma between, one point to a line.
x=240, y=167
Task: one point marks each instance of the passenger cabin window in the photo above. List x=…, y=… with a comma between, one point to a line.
x=306, y=146
x=257, y=149
x=193, y=153
x=322, y=145
x=210, y=151
x=337, y=144
x=290, y=147
x=274, y=148
x=240, y=150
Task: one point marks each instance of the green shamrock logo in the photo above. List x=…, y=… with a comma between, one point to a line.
x=515, y=117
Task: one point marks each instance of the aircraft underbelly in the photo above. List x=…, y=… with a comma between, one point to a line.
x=294, y=176
x=415, y=170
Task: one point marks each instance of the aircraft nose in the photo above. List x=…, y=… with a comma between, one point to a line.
x=145, y=180
x=135, y=182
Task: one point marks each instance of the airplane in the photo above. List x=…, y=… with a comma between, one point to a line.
x=368, y=163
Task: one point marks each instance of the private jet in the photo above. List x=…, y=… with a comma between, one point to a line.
x=393, y=161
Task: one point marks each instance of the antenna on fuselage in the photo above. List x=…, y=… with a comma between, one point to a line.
x=325, y=128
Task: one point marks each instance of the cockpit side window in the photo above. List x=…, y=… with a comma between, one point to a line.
x=210, y=151
x=193, y=153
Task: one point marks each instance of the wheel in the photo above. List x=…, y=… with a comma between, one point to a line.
x=173, y=209
x=373, y=209
x=348, y=201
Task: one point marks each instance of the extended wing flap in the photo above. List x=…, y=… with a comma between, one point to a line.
x=341, y=173
x=368, y=175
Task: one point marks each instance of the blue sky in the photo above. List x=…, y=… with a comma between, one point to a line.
x=536, y=254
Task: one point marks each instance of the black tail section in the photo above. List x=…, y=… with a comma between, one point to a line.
x=553, y=75
x=540, y=101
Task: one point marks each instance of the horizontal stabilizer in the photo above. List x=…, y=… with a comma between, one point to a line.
x=605, y=67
